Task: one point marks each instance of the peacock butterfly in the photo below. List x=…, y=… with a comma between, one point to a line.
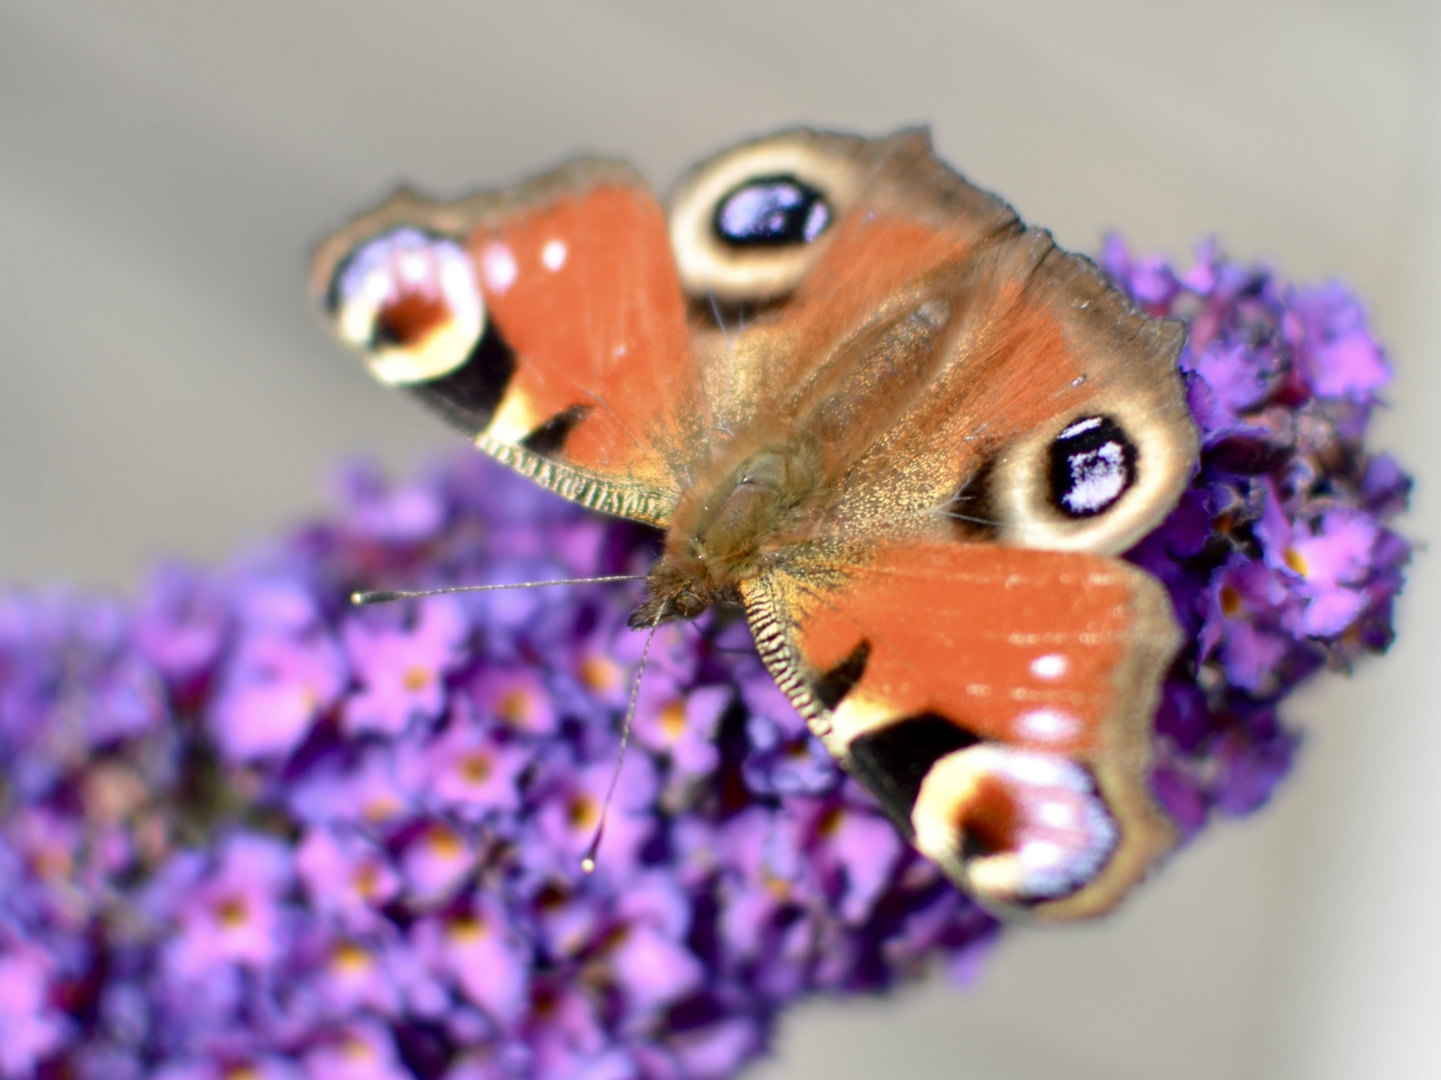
x=906, y=433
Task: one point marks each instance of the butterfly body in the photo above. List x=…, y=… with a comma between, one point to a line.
x=868, y=405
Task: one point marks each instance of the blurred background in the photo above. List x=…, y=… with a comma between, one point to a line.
x=164, y=388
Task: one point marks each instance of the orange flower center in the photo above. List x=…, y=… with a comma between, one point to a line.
x=444, y=842
x=475, y=767
x=349, y=958
x=600, y=673
x=583, y=811
x=1297, y=562
x=672, y=720
x=232, y=913
x=514, y=706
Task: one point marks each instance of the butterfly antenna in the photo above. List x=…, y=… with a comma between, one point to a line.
x=587, y=862
x=385, y=596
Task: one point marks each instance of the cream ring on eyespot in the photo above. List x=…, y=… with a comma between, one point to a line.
x=410, y=302
x=1019, y=827
x=745, y=225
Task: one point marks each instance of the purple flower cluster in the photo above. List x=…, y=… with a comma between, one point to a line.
x=250, y=831
x=1279, y=560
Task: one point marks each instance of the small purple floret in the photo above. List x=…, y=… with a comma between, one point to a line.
x=249, y=830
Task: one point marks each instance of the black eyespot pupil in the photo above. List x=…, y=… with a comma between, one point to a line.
x=771, y=211
x=1093, y=463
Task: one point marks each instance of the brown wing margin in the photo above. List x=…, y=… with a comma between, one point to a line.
x=906, y=657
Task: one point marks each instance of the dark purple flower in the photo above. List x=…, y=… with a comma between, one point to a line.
x=785, y=761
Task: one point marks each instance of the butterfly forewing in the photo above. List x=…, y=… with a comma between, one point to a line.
x=580, y=373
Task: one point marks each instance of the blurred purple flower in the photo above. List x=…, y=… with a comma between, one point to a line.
x=401, y=667
x=364, y=1050
x=31, y=1028
x=285, y=671
x=346, y=877
x=253, y=833
x=233, y=915
x=464, y=771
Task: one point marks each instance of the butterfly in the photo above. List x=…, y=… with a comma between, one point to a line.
x=906, y=433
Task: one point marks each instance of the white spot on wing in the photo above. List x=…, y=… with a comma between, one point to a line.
x=414, y=267
x=553, y=255
x=497, y=264
x=1040, y=855
x=1047, y=725
x=1098, y=477
x=1080, y=426
x=1056, y=814
x=1051, y=666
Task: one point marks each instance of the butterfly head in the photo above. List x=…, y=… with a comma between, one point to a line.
x=675, y=589
x=723, y=530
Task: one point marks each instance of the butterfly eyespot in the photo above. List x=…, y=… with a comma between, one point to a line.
x=771, y=211
x=747, y=225
x=409, y=300
x=1092, y=464
x=1017, y=827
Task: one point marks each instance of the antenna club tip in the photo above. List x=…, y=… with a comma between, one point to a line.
x=379, y=596
x=587, y=864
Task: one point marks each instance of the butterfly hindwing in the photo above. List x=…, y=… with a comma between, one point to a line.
x=997, y=701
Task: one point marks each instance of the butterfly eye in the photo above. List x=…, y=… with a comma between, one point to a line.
x=771, y=211
x=1092, y=465
x=1018, y=827
x=408, y=299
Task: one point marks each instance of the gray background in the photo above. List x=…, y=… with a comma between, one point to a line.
x=165, y=165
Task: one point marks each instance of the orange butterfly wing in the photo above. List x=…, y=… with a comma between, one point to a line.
x=907, y=658
x=577, y=369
